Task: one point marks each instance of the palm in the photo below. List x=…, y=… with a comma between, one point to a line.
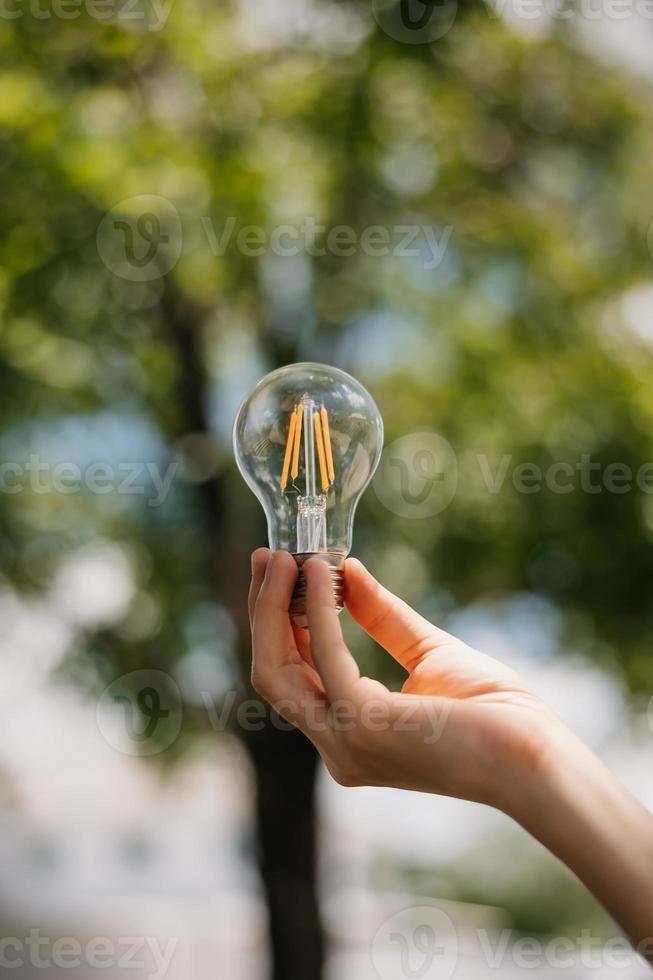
x=489, y=701
x=454, y=670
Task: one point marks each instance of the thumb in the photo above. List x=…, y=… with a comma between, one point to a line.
x=390, y=621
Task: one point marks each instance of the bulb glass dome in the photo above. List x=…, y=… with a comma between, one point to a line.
x=307, y=440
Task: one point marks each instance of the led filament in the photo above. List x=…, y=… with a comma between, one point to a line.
x=313, y=426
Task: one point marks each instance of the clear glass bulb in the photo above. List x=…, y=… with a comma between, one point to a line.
x=307, y=440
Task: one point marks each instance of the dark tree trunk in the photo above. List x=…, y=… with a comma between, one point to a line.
x=285, y=762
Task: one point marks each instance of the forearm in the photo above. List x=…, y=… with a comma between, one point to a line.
x=576, y=807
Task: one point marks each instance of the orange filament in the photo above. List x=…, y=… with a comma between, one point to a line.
x=320, y=452
x=298, y=441
x=327, y=444
x=289, y=448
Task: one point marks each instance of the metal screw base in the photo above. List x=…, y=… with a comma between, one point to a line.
x=336, y=562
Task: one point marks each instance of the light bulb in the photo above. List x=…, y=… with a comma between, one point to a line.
x=307, y=440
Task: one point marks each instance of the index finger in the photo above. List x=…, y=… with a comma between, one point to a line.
x=335, y=664
x=260, y=559
x=273, y=643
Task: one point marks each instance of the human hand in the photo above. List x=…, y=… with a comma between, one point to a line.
x=463, y=725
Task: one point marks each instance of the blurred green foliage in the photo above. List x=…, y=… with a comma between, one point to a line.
x=531, y=339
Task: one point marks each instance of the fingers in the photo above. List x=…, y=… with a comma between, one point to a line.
x=390, y=621
x=273, y=642
x=335, y=664
x=303, y=644
x=260, y=559
x=281, y=672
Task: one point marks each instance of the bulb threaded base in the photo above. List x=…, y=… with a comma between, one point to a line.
x=336, y=563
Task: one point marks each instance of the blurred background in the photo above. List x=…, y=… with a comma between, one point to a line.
x=176, y=175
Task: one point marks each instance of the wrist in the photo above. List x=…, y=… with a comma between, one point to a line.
x=544, y=775
x=576, y=808
x=518, y=772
